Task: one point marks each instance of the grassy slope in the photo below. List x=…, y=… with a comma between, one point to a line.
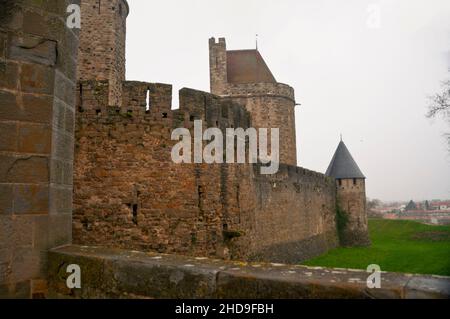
x=395, y=249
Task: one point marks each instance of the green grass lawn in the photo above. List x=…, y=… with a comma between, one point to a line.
x=398, y=246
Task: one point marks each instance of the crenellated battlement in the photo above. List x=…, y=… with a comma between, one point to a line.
x=295, y=174
x=144, y=102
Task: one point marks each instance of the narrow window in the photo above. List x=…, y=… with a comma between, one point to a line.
x=135, y=214
x=354, y=181
x=81, y=95
x=340, y=182
x=147, y=106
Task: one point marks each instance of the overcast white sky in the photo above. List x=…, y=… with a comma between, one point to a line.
x=369, y=82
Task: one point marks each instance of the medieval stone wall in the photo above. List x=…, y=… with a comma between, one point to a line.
x=37, y=98
x=129, y=193
x=294, y=215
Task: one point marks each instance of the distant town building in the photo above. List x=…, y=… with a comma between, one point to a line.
x=411, y=206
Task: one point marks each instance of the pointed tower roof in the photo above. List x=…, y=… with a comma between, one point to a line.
x=343, y=165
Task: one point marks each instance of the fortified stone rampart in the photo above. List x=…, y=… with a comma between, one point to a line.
x=295, y=215
x=130, y=194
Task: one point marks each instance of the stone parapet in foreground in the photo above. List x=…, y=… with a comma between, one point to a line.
x=114, y=273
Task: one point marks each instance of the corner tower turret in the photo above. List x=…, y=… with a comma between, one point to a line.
x=101, y=54
x=351, y=198
x=244, y=76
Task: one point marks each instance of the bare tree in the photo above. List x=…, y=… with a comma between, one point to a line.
x=440, y=102
x=440, y=105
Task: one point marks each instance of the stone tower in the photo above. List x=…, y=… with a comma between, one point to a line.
x=38, y=56
x=102, y=44
x=351, y=198
x=243, y=76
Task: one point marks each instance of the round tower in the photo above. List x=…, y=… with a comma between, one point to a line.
x=243, y=76
x=351, y=198
x=101, y=54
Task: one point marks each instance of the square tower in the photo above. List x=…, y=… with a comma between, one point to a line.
x=101, y=53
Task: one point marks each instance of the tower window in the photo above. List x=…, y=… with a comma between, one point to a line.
x=340, y=182
x=147, y=102
x=354, y=181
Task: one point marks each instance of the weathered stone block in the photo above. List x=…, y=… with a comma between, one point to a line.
x=64, y=88
x=16, y=231
x=63, y=146
x=57, y=171
x=435, y=287
x=11, y=15
x=6, y=202
x=59, y=110
x=31, y=199
x=26, y=263
x=30, y=108
x=29, y=169
x=60, y=200
x=8, y=136
x=36, y=78
x=34, y=50
x=61, y=230
x=9, y=73
x=35, y=138
x=36, y=23
x=41, y=231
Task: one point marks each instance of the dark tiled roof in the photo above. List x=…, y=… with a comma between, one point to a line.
x=343, y=165
x=247, y=66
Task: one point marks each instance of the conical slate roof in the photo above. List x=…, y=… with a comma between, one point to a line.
x=343, y=165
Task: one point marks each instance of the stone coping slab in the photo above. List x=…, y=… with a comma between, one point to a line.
x=117, y=273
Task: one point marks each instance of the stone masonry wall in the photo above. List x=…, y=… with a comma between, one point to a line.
x=129, y=194
x=37, y=97
x=294, y=216
x=102, y=45
x=351, y=196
